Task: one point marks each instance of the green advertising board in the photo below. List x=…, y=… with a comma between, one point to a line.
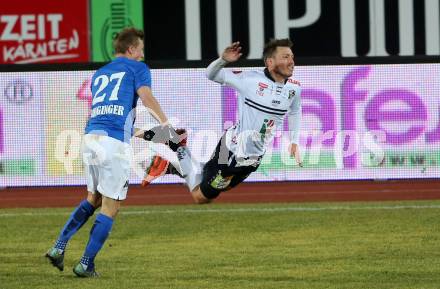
x=108, y=17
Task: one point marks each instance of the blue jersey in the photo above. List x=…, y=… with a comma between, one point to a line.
x=114, y=90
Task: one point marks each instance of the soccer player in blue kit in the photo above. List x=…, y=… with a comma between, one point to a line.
x=106, y=149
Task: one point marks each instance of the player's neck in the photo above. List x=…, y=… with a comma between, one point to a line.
x=278, y=78
x=275, y=76
x=126, y=55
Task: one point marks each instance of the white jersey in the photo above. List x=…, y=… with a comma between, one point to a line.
x=262, y=106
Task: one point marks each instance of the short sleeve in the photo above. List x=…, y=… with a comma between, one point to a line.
x=142, y=76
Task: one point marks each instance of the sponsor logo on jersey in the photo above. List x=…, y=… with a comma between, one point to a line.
x=294, y=81
x=276, y=102
x=261, y=87
x=266, y=128
x=221, y=182
x=291, y=93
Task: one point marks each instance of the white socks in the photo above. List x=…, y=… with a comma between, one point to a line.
x=191, y=169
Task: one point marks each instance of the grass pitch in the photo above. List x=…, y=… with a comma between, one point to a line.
x=337, y=245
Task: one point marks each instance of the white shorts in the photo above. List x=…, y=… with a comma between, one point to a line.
x=107, y=163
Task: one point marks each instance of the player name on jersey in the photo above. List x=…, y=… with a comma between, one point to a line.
x=107, y=109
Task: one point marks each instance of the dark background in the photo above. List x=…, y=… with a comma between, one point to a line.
x=165, y=28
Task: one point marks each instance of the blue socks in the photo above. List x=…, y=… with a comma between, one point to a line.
x=98, y=234
x=76, y=220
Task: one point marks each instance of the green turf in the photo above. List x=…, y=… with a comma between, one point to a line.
x=338, y=245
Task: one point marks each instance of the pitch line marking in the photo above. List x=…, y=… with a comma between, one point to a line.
x=240, y=210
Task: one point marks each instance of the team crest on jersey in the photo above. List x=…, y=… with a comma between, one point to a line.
x=291, y=93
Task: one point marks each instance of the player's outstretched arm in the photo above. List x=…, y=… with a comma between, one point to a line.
x=294, y=118
x=164, y=133
x=151, y=103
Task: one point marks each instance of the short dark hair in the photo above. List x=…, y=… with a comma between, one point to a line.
x=127, y=37
x=271, y=46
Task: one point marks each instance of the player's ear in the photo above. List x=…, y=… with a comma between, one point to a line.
x=269, y=61
x=131, y=49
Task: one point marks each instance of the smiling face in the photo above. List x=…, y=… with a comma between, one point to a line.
x=281, y=63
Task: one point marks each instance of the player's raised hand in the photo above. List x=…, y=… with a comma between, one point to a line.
x=295, y=153
x=232, y=52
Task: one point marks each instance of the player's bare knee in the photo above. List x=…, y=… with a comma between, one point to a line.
x=94, y=199
x=110, y=212
x=110, y=207
x=115, y=213
x=199, y=198
x=201, y=201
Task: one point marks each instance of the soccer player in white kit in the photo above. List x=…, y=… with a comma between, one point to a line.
x=265, y=97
